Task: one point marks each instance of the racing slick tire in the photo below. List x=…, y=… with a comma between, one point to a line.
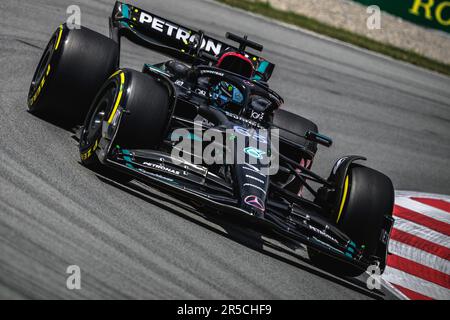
x=74, y=65
x=368, y=197
x=143, y=123
x=299, y=125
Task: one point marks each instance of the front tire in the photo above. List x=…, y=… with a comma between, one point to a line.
x=368, y=197
x=73, y=67
x=146, y=103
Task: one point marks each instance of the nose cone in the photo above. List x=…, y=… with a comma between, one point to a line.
x=253, y=185
x=252, y=161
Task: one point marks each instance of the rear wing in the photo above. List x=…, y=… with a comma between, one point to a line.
x=167, y=37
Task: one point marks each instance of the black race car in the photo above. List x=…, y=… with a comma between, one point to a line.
x=147, y=125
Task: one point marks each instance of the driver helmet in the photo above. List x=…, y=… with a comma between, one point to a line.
x=237, y=63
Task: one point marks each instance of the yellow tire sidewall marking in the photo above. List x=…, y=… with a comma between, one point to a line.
x=59, y=37
x=86, y=155
x=90, y=152
x=344, y=198
x=119, y=96
x=40, y=87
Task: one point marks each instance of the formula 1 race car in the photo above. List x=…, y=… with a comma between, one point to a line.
x=158, y=126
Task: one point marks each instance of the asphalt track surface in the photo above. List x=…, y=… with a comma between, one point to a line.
x=55, y=213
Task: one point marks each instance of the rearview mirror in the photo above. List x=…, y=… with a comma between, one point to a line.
x=319, y=138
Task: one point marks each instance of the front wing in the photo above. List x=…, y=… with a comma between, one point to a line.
x=298, y=223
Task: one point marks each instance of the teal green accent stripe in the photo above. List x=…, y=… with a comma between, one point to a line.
x=125, y=11
x=263, y=66
x=128, y=160
x=261, y=69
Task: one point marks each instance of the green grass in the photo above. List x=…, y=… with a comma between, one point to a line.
x=265, y=9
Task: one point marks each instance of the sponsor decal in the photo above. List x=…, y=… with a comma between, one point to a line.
x=252, y=134
x=257, y=115
x=162, y=168
x=213, y=72
x=429, y=13
x=255, y=202
x=255, y=153
x=178, y=32
x=323, y=233
x=245, y=120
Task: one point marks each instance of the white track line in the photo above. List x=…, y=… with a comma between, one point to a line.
x=419, y=256
x=406, y=280
x=421, y=231
x=416, y=194
x=424, y=209
x=411, y=282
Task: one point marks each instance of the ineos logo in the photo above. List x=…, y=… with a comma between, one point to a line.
x=257, y=115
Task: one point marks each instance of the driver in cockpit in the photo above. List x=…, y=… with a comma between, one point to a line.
x=225, y=94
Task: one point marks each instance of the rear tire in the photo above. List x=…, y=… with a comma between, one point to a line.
x=369, y=198
x=73, y=67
